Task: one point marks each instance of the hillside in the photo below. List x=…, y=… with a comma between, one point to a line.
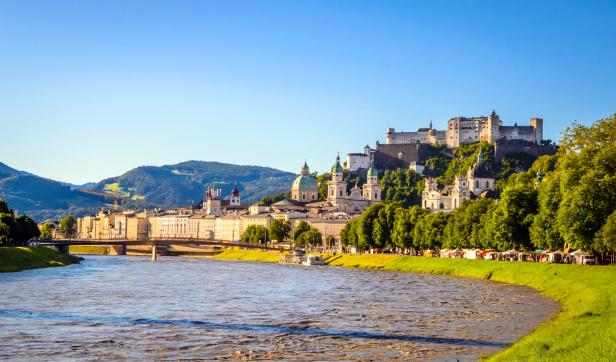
x=147, y=186
x=185, y=183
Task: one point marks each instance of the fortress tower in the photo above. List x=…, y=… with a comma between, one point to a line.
x=537, y=124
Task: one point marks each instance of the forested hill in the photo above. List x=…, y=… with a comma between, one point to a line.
x=184, y=183
x=147, y=186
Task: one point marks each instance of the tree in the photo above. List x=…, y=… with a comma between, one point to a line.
x=311, y=237
x=268, y=200
x=429, y=231
x=47, y=231
x=405, y=221
x=4, y=207
x=67, y=227
x=254, y=234
x=544, y=232
x=300, y=228
x=279, y=229
x=464, y=228
x=330, y=241
x=5, y=231
x=606, y=237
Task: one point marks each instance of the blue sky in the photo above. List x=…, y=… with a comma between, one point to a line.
x=91, y=89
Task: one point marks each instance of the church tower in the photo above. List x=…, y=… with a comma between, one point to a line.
x=235, y=196
x=491, y=130
x=336, y=188
x=372, y=189
x=212, y=203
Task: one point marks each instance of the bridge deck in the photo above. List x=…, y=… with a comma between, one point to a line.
x=156, y=242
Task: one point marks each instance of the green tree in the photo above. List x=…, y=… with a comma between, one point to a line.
x=606, y=237
x=47, y=231
x=5, y=231
x=429, y=231
x=544, y=232
x=4, y=207
x=300, y=228
x=465, y=226
x=279, y=229
x=67, y=227
x=402, y=231
x=311, y=237
x=254, y=234
x=322, y=182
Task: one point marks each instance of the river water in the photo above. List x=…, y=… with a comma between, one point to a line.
x=115, y=308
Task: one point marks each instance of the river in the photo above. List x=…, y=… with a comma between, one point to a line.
x=114, y=308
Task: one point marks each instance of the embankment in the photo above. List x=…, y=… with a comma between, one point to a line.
x=584, y=330
x=21, y=258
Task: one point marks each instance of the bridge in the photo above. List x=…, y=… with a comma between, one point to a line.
x=62, y=245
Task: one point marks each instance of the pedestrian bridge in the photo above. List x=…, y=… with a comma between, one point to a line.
x=62, y=245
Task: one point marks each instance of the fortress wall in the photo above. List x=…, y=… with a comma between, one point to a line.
x=505, y=147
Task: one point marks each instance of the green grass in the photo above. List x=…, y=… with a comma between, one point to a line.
x=252, y=255
x=86, y=249
x=21, y=258
x=585, y=328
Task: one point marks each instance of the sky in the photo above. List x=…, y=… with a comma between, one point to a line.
x=92, y=89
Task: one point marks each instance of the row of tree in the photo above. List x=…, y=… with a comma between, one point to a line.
x=568, y=199
x=15, y=230
x=303, y=234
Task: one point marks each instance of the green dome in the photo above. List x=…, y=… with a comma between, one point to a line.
x=372, y=172
x=303, y=182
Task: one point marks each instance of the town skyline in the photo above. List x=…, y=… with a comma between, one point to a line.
x=124, y=85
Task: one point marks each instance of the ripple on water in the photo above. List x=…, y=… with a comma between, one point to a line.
x=131, y=308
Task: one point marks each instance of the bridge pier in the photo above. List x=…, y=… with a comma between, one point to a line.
x=117, y=249
x=154, y=253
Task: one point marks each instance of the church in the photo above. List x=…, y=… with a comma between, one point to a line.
x=478, y=181
x=305, y=191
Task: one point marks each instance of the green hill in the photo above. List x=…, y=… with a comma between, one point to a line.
x=147, y=186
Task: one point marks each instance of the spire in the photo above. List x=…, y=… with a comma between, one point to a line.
x=493, y=113
x=480, y=156
x=305, y=169
x=336, y=168
x=235, y=192
x=372, y=171
x=430, y=124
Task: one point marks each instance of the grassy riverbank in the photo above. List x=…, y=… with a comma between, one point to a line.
x=18, y=259
x=87, y=249
x=584, y=330
x=250, y=255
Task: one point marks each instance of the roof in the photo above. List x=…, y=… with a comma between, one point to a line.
x=305, y=182
x=489, y=194
x=287, y=202
x=235, y=192
x=480, y=170
x=372, y=171
x=319, y=204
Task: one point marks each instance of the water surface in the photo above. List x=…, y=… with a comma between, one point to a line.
x=204, y=309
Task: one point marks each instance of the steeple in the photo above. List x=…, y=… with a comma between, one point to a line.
x=430, y=124
x=480, y=159
x=305, y=169
x=336, y=168
x=235, y=192
x=235, y=196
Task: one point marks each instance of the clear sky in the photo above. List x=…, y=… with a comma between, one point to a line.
x=91, y=89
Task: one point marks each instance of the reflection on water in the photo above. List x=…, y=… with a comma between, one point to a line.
x=131, y=308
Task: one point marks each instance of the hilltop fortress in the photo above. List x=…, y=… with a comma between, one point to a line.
x=409, y=149
x=462, y=131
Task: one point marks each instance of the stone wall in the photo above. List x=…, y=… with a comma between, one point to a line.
x=505, y=147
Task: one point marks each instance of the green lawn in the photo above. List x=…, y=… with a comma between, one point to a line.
x=87, y=249
x=251, y=255
x=17, y=259
x=584, y=330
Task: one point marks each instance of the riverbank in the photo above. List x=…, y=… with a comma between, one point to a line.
x=584, y=330
x=87, y=249
x=21, y=258
x=249, y=255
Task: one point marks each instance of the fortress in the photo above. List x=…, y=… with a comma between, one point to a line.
x=462, y=131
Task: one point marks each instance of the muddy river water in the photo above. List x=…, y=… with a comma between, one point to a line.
x=117, y=308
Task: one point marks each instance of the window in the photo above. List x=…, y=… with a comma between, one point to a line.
x=340, y=193
x=332, y=193
x=303, y=196
x=487, y=184
x=376, y=195
x=476, y=183
x=442, y=206
x=455, y=203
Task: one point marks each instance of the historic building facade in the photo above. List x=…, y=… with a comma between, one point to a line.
x=463, y=130
x=358, y=199
x=478, y=179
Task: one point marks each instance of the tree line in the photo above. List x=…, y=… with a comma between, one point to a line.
x=565, y=200
x=280, y=230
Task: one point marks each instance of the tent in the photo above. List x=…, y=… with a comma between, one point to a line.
x=581, y=257
x=555, y=257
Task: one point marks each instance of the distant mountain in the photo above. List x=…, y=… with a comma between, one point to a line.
x=147, y=186
x=185, y=183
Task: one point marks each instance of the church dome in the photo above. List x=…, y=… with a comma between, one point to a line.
x=480, y=169
x=305, y=181
x=372, y=171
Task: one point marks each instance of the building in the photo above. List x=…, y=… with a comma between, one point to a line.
x=358, y=161
x=463, y=130
x=357, y=200
x=478, y=179
x=305, y=187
